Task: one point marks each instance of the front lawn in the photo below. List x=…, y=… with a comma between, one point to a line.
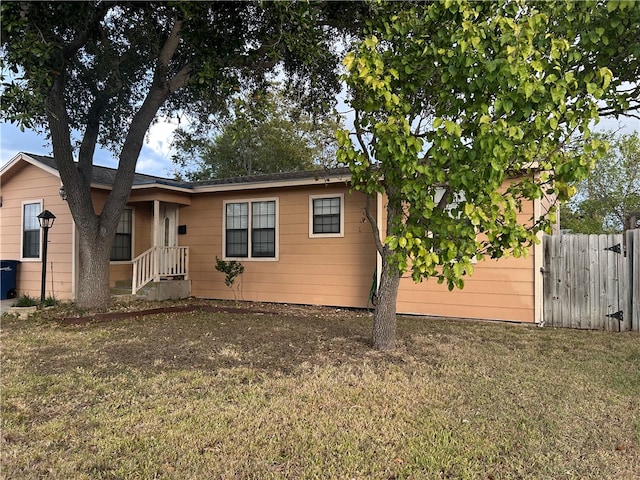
x=297, y=393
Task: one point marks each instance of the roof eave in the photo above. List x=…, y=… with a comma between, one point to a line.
x=20, y=156
x=226, y=187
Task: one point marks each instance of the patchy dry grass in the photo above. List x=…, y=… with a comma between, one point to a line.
x=297, y=393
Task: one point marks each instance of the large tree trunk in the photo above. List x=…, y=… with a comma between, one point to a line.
x=96, y=231
x=384, y=322
x=93, y=281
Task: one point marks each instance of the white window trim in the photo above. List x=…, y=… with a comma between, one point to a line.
x=39, y=257
x=326, y=235
x=458, y=197
x=133, y=240
x=249, y=258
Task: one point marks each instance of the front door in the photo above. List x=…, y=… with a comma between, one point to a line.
x=167, y=237
x=168, y=222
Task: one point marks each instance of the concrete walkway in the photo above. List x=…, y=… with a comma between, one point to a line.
x=5, y=304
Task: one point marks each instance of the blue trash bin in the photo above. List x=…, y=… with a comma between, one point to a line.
x=8, y=272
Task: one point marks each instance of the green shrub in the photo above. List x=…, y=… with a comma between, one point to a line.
x=50, y=302
x=231, y=269
x=25, y=300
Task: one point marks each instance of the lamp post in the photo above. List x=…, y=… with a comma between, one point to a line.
x=46, y=220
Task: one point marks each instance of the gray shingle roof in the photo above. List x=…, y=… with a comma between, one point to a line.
x=106, y=176
x=275, y=177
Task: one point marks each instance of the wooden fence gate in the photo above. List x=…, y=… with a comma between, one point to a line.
x=592, y=281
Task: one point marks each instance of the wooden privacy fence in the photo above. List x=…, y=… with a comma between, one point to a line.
x=592, y=281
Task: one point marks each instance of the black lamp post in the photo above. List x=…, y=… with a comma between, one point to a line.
x=46, y=220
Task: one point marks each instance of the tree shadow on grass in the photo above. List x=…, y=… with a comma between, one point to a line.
x=211, y=341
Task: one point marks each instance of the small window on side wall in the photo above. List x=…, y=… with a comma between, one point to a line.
x=121, y=249
x=31, y=230
x=326, y=216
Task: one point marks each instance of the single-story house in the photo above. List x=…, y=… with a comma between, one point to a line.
x=302, y=237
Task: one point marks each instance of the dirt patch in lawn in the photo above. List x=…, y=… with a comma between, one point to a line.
x=143, y=308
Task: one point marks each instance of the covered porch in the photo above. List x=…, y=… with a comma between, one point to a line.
x=160, y=268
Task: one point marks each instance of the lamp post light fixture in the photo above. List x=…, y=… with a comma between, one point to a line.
x=46, y=220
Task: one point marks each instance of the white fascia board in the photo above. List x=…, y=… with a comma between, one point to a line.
x=161, y=186
x=24, y=157
x=270, y=184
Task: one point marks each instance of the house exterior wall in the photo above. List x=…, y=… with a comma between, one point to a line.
x=334, y=271
x=339, y=271
x=122, y=272
x=502, y=289
x=34, y=184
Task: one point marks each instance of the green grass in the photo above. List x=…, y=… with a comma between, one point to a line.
x=298, y=393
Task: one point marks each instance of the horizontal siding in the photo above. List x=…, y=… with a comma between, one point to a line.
x=33, y=183
x=498, y=290
x=501, y=289
x=339, y=271
x=331, y=271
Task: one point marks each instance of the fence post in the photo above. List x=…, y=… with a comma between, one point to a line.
x=633, y=275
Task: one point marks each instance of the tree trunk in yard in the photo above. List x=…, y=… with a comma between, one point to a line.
x=384, y=321
x=93, y=282
x=97, y=231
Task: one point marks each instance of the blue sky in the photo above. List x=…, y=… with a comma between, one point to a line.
x=155, y=158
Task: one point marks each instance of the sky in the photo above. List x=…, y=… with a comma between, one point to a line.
x=155, y=158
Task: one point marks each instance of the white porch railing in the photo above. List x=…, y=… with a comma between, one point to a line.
x=159, y=262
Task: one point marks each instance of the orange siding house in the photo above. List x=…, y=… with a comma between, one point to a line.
x=302, y=237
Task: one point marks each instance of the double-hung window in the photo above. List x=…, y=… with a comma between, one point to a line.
x=122, y=245
x=326, y=215
x=31, y=230
x=250, y=229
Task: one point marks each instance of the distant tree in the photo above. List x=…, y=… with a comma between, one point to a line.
x=454, y=98
x=266, y=132
x=101, y=72
x=605, y=199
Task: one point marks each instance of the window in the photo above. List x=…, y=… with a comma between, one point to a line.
x=121, y=249
x=31, y=230
x=326, y=216
x=260, y=217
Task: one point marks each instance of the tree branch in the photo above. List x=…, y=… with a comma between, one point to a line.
x=171, y=45
x=80, y=41
x=374, y=225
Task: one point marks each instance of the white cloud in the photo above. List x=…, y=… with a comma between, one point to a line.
x=160, y=136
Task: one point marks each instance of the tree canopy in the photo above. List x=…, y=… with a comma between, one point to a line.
x=606, y=199
x=463, y=113
x=101, y=72
x=264, y=133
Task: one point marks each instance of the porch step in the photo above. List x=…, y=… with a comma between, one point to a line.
x=162, y=290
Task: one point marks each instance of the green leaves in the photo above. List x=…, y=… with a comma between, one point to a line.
x=471, y=99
